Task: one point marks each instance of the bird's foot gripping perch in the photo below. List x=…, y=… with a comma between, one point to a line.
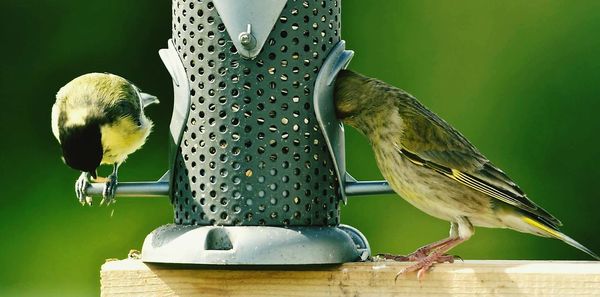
x=435, y=252
x=80, y=188
x=424, y=260
x=110, y=185
x=108, y=194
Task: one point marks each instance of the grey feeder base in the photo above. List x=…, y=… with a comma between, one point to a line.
x=254, y=245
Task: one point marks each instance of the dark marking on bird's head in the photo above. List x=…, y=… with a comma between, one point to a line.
x=345, y=94
x=356, y=96
x=82, y=146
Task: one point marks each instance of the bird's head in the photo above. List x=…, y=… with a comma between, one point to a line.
x=347, y=104
x=82, y=147
x=104, y=95
x=356, y=98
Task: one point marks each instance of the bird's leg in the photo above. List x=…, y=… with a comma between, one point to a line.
x=80, y=187
x=460, y=231
x=108, y=194
x=425, y=250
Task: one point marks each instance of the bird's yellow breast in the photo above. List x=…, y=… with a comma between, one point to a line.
x=122, y=138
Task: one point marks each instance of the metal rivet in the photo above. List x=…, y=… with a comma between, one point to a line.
x=247, y=39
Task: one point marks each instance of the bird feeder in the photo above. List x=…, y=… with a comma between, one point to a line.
x=257, y=171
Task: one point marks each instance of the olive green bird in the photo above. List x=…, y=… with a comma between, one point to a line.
x=436, y=169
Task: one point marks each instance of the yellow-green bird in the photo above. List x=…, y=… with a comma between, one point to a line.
x=98, y=118
x=436, y=169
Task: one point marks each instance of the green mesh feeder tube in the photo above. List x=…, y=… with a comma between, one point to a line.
x=257, y=169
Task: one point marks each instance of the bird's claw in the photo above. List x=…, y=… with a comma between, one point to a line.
x=425, y=263
x=420, y=267
x=80, y=189
x=108, y=193
x=422, y=259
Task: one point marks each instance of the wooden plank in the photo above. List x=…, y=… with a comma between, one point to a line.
x=500, y=278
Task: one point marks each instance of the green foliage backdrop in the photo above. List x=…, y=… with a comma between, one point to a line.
x=521, y=79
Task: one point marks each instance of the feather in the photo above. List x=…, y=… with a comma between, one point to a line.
x=442, y=148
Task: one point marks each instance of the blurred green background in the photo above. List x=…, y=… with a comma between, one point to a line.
x=521, y=79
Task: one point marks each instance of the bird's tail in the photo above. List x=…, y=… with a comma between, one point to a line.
x=546, y=229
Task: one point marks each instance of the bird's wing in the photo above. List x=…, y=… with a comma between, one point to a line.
x=429, y=141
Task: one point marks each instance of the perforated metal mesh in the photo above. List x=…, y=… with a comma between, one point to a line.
x=252, y=151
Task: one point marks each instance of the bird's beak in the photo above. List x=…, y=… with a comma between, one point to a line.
x=148, y=99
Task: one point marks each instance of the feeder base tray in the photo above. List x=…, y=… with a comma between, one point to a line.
x=254, y=245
